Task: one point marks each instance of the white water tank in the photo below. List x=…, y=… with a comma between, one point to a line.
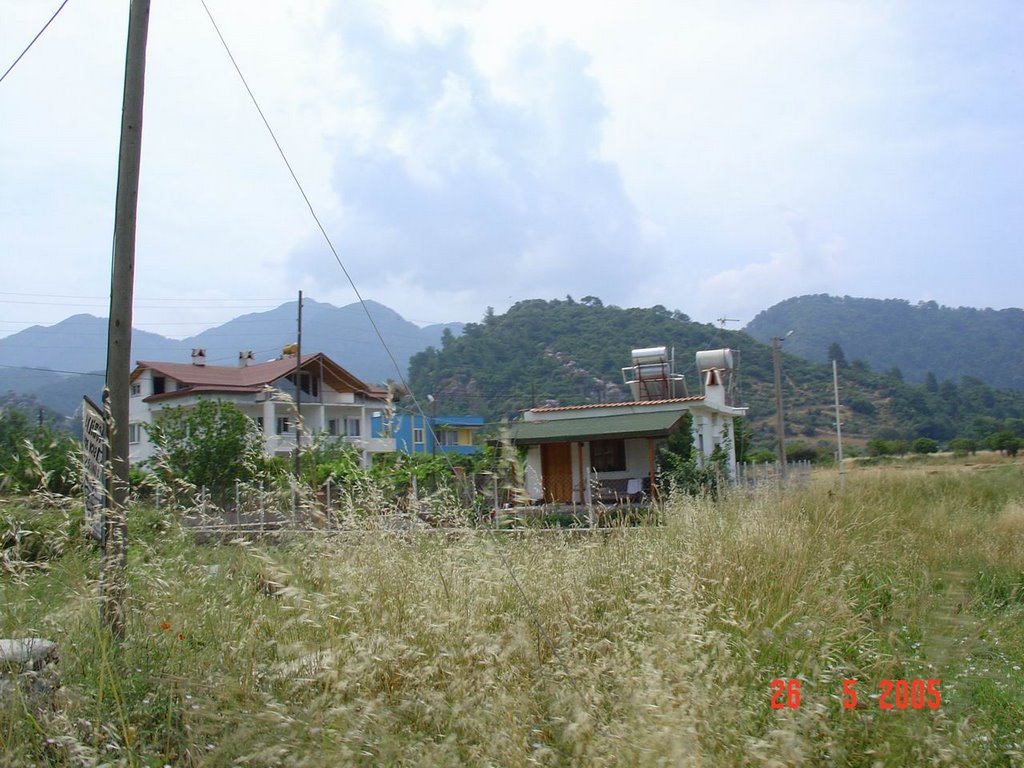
x=714, y=358
x=650, y=355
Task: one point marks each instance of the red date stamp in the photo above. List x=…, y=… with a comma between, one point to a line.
x=892, y=694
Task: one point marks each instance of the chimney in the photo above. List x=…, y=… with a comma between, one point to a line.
x=198, y=356
x=245, y=358
x=714, y=388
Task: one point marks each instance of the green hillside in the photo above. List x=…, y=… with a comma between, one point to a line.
x=917, y=339
x=570, y=352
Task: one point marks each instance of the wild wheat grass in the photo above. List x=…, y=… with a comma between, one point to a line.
x=637, y=646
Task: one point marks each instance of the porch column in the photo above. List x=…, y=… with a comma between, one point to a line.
x=582, y=474
x=269, y=422
x=650, y=463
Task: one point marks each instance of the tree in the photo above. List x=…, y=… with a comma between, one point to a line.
x=961, y=446
x=931, y=383
x=34, y=457
x=835, y=352
x=211, y=445
x=1005, y=442
x=924, y=445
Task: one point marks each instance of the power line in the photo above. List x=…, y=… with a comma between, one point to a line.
x=401, y=377
x=52, y=370
x=40, y=32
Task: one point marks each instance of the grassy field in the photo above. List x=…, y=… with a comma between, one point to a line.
x=641, y=646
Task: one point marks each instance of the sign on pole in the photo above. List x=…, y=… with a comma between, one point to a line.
x=94, y=462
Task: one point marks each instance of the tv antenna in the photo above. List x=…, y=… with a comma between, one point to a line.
x=723, y=320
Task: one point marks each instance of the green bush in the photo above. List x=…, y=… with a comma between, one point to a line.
x=924, y=445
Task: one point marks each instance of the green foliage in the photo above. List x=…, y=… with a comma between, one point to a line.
x=835, y=353
x=678, y=469
x=209, y=445
x=761, y=456
x=882, y=447
x=797, y=451
x=917, y=338
x=34, y=457
x=1005, y=442
x=963, y=446
x=924, y=445
x=571, y=352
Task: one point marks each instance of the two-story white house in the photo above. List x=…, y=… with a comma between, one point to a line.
x=333, y=402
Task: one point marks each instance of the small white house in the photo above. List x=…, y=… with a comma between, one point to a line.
x=574, y=452
x=333, y=402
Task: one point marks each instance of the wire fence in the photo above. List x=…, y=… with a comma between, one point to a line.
x=753, y=475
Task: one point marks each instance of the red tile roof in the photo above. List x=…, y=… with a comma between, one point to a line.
x=628, y=404
x=231, y=379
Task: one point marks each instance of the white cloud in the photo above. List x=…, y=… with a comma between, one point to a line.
x=486, y=152
x=806, y=267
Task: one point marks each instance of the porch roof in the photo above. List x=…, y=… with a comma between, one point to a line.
x=624, y=425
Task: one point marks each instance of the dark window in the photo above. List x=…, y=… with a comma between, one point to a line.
x=310, y=384
x=159, y=385
x=608, y=455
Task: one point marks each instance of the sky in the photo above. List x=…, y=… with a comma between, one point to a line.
x=714, y=157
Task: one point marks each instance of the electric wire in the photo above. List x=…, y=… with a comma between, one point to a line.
x=535, y=616
x=38, y=34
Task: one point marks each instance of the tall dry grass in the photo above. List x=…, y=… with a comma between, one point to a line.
x=639, y=646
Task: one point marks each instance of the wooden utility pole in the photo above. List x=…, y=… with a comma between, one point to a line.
x=119, y=334
x=839, y=423
x=780, y=427
x=298, y=406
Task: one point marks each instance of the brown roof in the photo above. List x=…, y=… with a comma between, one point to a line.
x=628, y=404
x=232, y=379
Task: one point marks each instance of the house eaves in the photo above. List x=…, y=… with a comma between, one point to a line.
x=626, y=425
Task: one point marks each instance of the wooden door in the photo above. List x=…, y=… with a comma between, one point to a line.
x=556, y=469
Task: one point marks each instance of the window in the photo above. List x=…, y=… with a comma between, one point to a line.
x=448, y=437
x=352, y=427
x=310, y=384
x=159, y=385
x=417, y=435
x=284, y=425
x=134, y=432
x=136, y=389
x=259, y=423
x=608, y=455
x=332, y=427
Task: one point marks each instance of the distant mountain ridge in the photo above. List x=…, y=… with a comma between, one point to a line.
x=79, y=343
x=888, y=334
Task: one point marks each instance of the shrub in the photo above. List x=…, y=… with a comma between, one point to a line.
x=924, y=445
x=961, y=446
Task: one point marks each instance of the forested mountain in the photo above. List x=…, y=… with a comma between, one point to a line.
x=892, y=334
x=570, y=352
x=38, y=360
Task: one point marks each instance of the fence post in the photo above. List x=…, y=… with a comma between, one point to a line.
x=589, y=497
x=497, y=503
x=263, y=512
x=327, y=504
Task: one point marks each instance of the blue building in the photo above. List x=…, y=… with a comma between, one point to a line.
x=454, y=434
